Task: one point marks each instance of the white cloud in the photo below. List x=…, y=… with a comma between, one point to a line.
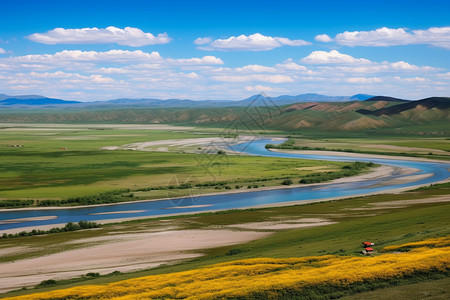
x=291, y=66
x=205, y=60
x=262, y=88
x=323, y=38
x=192, y=75
x=411, y=79
x=255, y=69
x=332, y=57
x=128, y=36
x=254, y=42
x=72, y=77
x=401, y=65
x=92, y=75
x=254, y=77
x=383, y=37
x=2, y=51
x=77, y=55
x=202, y=41
x=364, y=80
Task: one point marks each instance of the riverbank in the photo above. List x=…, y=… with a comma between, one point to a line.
x=359, y=155
x=377, y=175
x=159, y=245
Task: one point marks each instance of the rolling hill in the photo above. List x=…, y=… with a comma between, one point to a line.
x=263, y=114
x=36, y=101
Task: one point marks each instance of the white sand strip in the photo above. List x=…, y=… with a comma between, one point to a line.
x=119, y=212
x=21, y=220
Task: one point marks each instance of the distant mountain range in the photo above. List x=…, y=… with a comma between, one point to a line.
x=41, y=101
x=289, y=113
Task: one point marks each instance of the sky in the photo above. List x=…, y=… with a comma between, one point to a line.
x=100, y=50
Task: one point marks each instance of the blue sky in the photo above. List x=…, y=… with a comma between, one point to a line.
x=230, y=50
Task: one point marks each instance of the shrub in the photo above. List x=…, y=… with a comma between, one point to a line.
x=47, y=282
x=286, y=182
x=234, y=251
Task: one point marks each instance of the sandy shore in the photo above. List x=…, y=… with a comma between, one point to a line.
x=356, y=155
x=164, y=145
x=119, y=252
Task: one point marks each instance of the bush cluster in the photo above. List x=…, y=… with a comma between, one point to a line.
x=348, y=170
x=68, y=227
x=16, y=203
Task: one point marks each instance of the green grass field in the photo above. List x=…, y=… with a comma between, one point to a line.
x=58, y=162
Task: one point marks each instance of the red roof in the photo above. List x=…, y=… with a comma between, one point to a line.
x=369, y=249
x=367, y=243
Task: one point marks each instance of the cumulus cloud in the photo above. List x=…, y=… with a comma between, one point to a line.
x=100, y=75
x=255, y=69
x=262, y=88
x=77, y=55
x=323, y=38
x=364, y=80
x=332, y=57
x=129, y=36
x=291, y=66
x=254, y=77
x=402, y=65
x=205, y=60
x=73, y=77
x=2, y=51
x=254, y=42
x=202, y=41
x=383, y=37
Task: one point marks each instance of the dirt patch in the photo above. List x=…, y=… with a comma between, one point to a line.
x=400, y=203
x=403, y=180
x=182, y=144
x=286, y=224
x=13, y=250
x=122, y=252
x=403, y=149
x=414, y=201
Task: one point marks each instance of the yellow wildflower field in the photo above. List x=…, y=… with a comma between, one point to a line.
x=267, y=277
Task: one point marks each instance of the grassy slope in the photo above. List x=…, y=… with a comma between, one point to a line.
x=434, y=290
x=384, y=226
x=332, y=116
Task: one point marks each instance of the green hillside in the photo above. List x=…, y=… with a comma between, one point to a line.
x=316, y=116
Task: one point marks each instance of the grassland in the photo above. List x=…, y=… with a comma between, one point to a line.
x=62, y=162
x=358, y=219
x=42, y=170
x=396, y=145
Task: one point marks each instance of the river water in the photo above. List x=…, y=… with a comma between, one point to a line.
x=439, y=171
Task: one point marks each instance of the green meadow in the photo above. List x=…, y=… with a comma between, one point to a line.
x=64, y=161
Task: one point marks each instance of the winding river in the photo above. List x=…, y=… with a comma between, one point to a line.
x=435, y=171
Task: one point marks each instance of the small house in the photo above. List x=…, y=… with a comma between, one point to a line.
x=368, y=249
x=367, y=244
